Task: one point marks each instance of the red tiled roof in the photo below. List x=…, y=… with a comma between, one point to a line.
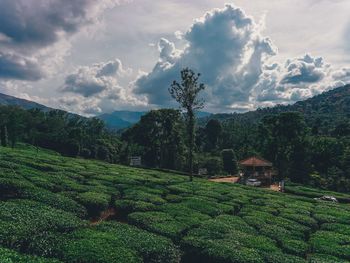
x=255, y=161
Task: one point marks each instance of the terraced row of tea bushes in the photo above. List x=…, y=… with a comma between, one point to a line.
x=112, y=242
x=11, y=256
x=301, y=190
x=47, y=202
x=22, y=222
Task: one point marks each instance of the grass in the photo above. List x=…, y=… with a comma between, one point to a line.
x=47, y=204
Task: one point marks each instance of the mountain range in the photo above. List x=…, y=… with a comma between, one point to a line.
x=330, y=107
x=25, y=104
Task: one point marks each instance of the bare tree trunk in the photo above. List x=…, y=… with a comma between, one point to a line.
x=191, y=134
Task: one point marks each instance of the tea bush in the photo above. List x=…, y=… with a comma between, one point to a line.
x=94, y=202
x=57, y=209
x=10, y=256
x=115, y=242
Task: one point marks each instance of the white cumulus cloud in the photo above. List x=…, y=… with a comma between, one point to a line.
x=225, y=46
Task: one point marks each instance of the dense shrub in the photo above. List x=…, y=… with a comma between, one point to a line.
x=278, y=257
x=323, y=258
x=13, y=188
x=339, y=228
x=229, y=161
x=22, y=221
x=86, y=153
x=115, y=242
x=207, y=207
x=315, y=193
x=301, y=219
x=139, y=195
x=295, y=247
x=230, y=235
x=94, y=202
x=10, y=256
x=43, y=200
x=331, y=243
x=126, y=207
x=184, y=215
x=158, y=222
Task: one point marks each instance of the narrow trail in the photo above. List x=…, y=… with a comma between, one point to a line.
x=110, y=212
x=231, y=179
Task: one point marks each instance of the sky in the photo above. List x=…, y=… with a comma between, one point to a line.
x=92, y=57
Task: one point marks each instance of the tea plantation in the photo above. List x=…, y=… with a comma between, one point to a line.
x=50, y=208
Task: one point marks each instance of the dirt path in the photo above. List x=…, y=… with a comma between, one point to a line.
x=232, y=179
x=274, y=187
x=104, y=216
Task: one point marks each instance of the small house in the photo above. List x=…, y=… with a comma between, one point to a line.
x=257, y=168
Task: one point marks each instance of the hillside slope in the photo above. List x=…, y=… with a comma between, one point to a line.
x=124, y=119
x=121, y=119
x=25, y=104
x=331, y=106
x=50, y=206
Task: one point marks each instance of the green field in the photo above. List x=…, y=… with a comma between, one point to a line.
x=50, y=204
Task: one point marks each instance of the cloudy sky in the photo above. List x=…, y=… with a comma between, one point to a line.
x=95, y=56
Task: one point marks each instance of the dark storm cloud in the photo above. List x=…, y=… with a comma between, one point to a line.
x=39, y=22
x=29, y=26
x=13, y=66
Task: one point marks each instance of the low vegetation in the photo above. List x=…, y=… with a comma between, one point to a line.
x=48, y=204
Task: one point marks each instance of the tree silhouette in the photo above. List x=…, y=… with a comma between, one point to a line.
x=186, y=94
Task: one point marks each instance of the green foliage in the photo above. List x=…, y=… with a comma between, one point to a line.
x=23, y=221
x=226, y=239
x=15, y=188
x=11, y=256
x=115, y=242
x=69, y=134
x=213, y=164
x=331, y=243
x=229, y=161
x=44, y=198
x=128, y=206
x=213, y=131
x=301, y=190
x=295, y=247
x=94, y=202
x=158, y=222
x=323, y=258
x=160, y=134
x=186, y=94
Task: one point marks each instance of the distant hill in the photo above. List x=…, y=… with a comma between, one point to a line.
x=8, y=100
x=123, y=119
x=328, y=108
x=25, y=104
x=116, y=120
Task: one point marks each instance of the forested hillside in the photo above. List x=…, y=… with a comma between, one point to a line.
x=56, y=209
x=325, y=111
x=308, y=142
x=25, y=104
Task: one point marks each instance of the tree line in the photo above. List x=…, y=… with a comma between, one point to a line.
x=170, y=139
x=68, y=134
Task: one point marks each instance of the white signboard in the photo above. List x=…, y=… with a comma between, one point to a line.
x=135, y=161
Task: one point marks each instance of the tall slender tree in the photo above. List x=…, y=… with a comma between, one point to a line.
x=186, y=94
